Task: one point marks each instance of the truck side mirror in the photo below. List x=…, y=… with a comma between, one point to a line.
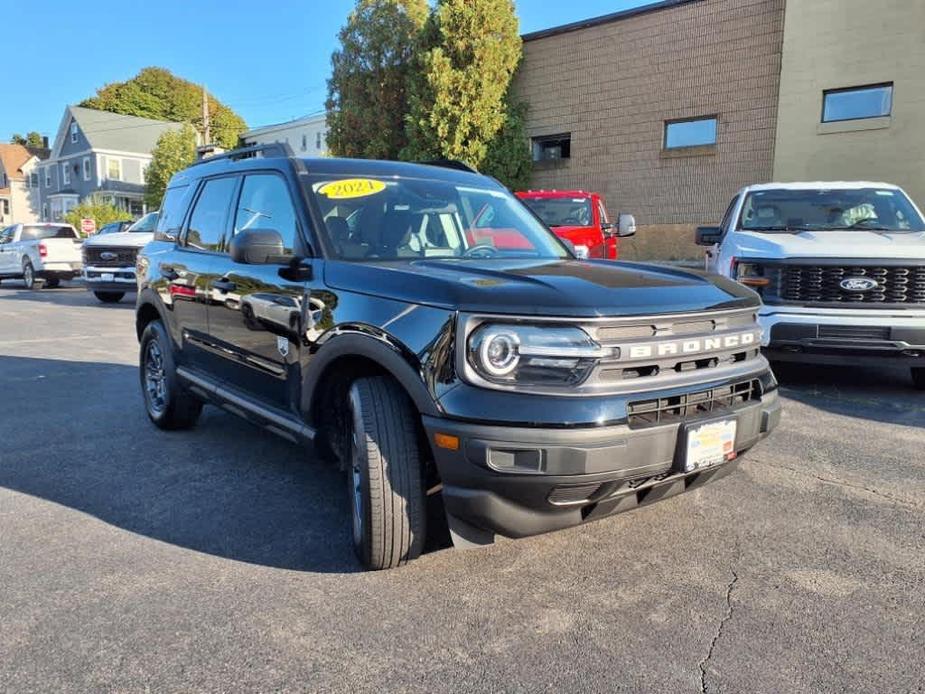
x=708, y=236
x=626, y=225
x=257, y=247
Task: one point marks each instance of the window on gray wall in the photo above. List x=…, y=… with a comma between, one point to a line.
x=855, y=103
x=552, y=147
x=73, y=131
x=690, y=132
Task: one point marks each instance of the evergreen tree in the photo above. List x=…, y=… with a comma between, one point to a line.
x=468, y=53
x=367, y=99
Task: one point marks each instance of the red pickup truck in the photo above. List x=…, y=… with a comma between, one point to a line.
x=581, y=218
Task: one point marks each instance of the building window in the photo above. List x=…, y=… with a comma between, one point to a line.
x=65, y=174
x=86, y=166
x=34, y=180
x=6, y=206
x=854, y=103
x=73, y=131
x=304, y=142
x=114, y=169
x=552, y=147
x=48, y=177
x=318, y=142
x=45, y=211
x=690, y=132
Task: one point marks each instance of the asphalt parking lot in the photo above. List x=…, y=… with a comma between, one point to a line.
x=219, y=559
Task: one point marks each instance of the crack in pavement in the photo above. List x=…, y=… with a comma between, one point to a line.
x=719, y=632
x=841, y=483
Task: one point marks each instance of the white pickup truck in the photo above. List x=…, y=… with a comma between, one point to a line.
x=840, y=267
x=40, y=254
x=109, y=259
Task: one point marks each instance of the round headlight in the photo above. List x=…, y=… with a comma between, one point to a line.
x=498, y=352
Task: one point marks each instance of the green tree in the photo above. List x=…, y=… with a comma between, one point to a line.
x=468, y=54
x=157, y=93
x=509, y=158
x=32, y=139
x=97, y=208
x=175, y=150
x=367, y=99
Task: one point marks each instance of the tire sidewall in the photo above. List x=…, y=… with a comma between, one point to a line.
x=155, y=331
x=28, y=274
x=362, y=544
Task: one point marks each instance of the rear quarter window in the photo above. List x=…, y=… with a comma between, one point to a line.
x=173, y=211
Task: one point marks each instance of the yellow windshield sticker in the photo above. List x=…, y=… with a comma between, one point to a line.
x=351, y=188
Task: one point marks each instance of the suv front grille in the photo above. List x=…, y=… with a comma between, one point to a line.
x=679, y=408
x=123, y=257
x=820, y=284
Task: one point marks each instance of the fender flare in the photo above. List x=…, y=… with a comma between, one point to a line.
x=147, y=296
x=398, y=362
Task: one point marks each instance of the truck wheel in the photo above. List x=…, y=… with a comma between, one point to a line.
x=109, y=297
x=28, y=274
x=168, y=403
x=918, y=378
x=387, y=502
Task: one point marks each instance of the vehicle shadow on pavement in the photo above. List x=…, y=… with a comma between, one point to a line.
x=78, y=436
x=65, y=295
x=882, y=395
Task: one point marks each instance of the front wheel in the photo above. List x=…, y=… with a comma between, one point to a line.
x=109, y=297
x=168, y=404
x=918, y=378
x=387, y=500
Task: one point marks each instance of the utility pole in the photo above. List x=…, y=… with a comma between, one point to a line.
x=206, y=125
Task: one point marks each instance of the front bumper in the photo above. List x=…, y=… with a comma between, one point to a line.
x=844, y=336
x=117, y=279
x=521, y=481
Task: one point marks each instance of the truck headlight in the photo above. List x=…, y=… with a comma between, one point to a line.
x=533, y=355
x=750, y=274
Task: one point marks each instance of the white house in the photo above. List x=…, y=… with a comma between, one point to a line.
x=306, y=136
x=19, y=185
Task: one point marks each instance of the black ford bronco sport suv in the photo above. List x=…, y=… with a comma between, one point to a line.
x=419, y=325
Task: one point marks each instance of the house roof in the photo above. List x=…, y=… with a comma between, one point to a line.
x=311, y=119
x=113, y=131
x=13, y=158
x=606, y=19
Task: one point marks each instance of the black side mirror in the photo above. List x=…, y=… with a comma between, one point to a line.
x=708, y=236
x=258, y=247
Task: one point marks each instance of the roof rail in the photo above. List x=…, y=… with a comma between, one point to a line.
x=268, y=149
x=451, y=164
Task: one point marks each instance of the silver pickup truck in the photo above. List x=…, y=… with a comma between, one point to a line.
x=40, y=254
x=109, y=259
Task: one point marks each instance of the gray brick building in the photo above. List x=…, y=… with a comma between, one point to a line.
x=666, y=109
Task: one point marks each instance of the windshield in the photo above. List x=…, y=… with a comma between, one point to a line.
x=405, y=218
x=562, y=212
x=145, y=224
x=863, y=209
x=33, y=233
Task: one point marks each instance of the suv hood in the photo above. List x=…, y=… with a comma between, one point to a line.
x=830, y=244
x=123, y=239
x=542, y=287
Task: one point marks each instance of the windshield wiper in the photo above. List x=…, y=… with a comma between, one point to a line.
x=862, y=224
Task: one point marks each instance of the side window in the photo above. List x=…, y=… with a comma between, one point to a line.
x=173, y=209
x=265, y=204
x=6, y=235
x=604, y=219
x=207, y=223
x=727, y=217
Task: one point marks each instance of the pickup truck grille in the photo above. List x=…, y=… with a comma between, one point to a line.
x=110, y=257
x=821, y=284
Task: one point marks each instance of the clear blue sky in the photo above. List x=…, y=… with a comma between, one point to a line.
x=268, y=60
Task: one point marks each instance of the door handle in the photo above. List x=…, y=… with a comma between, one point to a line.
x=169, y=272
x=224, y=286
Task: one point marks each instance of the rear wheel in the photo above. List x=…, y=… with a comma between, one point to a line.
x=168, y=404
x=918, y=378
x=387, y=501
x=28, y=274
x=109, y=297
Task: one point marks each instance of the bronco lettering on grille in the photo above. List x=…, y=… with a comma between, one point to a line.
x=689, y=347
